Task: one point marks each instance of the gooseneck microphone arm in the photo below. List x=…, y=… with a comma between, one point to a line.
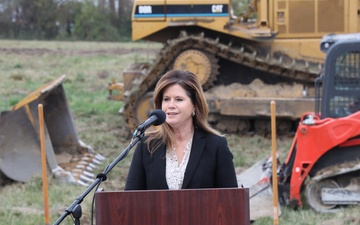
x=75, y=209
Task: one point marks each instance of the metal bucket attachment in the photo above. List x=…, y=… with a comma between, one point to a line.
x=68, y=158
x=258, y=179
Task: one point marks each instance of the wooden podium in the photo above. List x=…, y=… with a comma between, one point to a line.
x=224, y=206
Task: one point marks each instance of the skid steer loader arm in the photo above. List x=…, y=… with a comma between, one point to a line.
x=68, y=158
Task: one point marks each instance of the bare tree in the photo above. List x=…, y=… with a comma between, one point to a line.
x=112, y=7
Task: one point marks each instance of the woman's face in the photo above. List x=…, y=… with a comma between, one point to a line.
x=177, y=106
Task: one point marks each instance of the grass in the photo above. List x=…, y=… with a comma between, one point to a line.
x=89, y=67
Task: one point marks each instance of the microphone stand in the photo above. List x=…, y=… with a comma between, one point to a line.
x=75, y=209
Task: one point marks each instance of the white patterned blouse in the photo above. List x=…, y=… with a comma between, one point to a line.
x=175, y=171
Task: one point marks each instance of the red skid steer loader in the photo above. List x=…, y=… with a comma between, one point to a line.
x=68, y=158
x=324, y=159
x=323, y=163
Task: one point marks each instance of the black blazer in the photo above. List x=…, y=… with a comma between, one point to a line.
x=210, y=165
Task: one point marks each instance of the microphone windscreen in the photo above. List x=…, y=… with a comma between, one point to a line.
x=160, y=115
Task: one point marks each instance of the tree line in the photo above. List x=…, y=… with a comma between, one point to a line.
x=88, y=20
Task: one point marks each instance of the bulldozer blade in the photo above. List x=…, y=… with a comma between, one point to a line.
x=20, y=155
x=257, y=178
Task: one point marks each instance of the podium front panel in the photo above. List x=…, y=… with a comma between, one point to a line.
x=224, y=206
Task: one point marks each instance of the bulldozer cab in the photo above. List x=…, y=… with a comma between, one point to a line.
x=68, y=158
x=341, y=96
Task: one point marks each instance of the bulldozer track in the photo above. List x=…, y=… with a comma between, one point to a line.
x=242, y=53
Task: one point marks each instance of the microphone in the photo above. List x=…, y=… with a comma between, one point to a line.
x=156, y=118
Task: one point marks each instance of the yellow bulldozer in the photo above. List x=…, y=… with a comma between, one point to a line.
x=68, y=158
x=270, y=52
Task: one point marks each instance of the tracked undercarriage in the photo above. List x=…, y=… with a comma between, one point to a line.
x=239, y=81
x=340, y=186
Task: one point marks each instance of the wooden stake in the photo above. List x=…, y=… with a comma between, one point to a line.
x=43, y=164
x=274, y=163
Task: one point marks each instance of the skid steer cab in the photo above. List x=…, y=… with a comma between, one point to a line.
x=68, y=158
x=324, y=160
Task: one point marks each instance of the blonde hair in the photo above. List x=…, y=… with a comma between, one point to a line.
x=192, y=86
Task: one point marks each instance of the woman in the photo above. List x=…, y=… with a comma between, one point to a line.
x=185, y=152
